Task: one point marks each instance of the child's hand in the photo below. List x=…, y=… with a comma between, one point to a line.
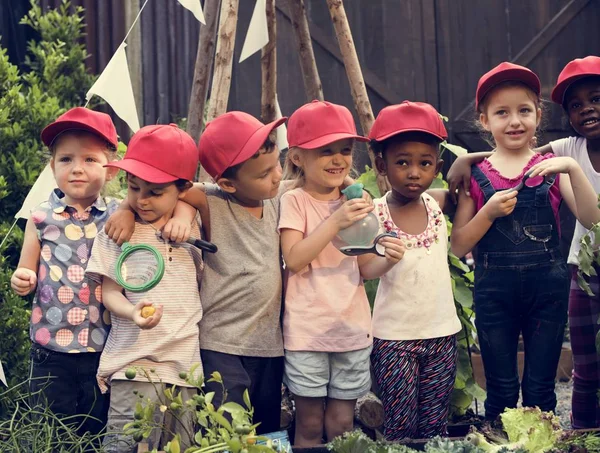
x=23, y=281
x=120, y=226
x=150, y=321
x=351, y=211
x=501, y=204
x=459, y=174
x=394, y=249
x=553, y=166
x=177, y=230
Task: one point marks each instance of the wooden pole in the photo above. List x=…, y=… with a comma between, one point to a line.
x=134, y=54
x=268, y=65
x=221, y=83
x=355, y=77
x=308, y=64
x=204, y=61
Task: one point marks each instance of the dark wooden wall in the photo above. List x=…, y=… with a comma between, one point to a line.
x=427, y=50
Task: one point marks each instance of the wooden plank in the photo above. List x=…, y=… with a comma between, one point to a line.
x=103, y=33
x=541, y=40
x=162, y=62
x=91, y=38
x=149, y=64
x=372, y=80
x=134, y=54
x=173, y=64
x=268, y=65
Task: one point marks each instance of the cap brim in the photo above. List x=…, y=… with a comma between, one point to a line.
x=52, y=131
x=330, y=138
x=516, y=74
x=402, y=131
x=143, y=171
x=559, y=91
x=256, y=141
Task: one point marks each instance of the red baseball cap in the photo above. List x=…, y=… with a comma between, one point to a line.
x=81, y=118
x=319, y=123
x=505, y=72
x=231, y=139
x=574, y=70
x=408, y=117
x=160, y=154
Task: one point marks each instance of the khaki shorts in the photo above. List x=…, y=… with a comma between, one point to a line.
x=337, y=375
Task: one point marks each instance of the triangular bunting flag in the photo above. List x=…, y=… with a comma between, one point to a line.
x=195, y=7
x=258, y=34
x=282, y=142
x=114, y=86
x=2, y=376
x=39, y=193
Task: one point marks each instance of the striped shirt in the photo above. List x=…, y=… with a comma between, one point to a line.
x=173, y=345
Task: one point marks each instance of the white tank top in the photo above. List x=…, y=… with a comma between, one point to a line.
x=414, y=300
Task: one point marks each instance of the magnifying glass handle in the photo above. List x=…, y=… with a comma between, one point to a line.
x=204, y=245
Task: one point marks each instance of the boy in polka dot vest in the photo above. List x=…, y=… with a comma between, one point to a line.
x=68, y=322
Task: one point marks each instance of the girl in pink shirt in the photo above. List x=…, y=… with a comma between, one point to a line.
x=327, y=320
x=521, y=278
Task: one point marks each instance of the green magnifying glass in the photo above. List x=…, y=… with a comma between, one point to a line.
x=140, y=267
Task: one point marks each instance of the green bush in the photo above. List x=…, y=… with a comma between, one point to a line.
x=55, y=80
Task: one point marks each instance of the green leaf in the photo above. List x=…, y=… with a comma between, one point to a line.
x=232, y=407
x=463, y=294
x=216, y=377
x=221, y=420
x=454, y=149
x=369, y=181
x=209, y=397
x=246, y=397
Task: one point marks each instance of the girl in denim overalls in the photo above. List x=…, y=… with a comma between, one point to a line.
x=521, y=279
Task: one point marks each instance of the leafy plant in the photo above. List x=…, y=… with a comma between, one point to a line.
x=226, y=428
x=27, y=428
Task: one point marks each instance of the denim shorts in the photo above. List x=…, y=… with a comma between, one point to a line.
x=338, y=375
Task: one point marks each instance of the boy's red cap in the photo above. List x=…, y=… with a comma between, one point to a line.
x=319, y=123
x=231, y=139
x=408, y=117
x=160, y=154
x=503, y=73
x=574, y=70
x=80, y=118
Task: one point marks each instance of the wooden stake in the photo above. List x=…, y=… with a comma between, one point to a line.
x=134, y=54
x=308, y=64
x=268, y=65
x=355, y=77
x=204, y=61
x=219, y=93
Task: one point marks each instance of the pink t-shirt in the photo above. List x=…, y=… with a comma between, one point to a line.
x=326, y=306
x=500, y=182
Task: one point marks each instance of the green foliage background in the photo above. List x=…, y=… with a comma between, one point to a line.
x=55, y=79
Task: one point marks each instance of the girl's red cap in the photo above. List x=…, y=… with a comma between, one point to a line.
x=574, y=70
x=505, y=72
x=408, y=117
x=81, y=118
x=320, y=123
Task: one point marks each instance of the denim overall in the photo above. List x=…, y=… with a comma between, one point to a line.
x=521, y=286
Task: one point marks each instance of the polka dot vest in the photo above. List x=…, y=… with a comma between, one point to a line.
x=68, y=314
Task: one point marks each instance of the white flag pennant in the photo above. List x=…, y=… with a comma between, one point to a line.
x=2, y=376
x=195, y=7
x=39, y=193
x=282, y=142
x=114, y=86
x=258, y=34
